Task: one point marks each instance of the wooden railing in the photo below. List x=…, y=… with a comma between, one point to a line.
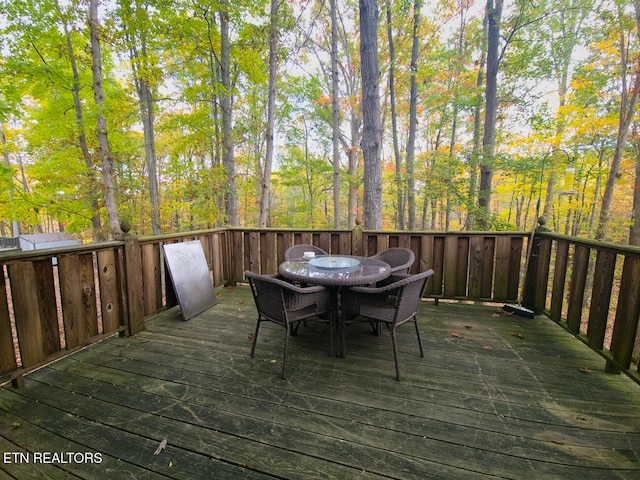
x=58, y=300
x=592, y=289
x=55, y=301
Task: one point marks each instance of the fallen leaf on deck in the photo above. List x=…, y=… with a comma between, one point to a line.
x=517, y=334
x=240, y=309
x=585, y=370
x=274, y=361
x=250, y=337
x=241, y=302
x=488, y=347
x=456, y=335
x=15, y=425
x=468, y=326
x=162, y=446
x=557, y=442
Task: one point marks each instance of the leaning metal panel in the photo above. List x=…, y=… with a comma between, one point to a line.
x=190, y=277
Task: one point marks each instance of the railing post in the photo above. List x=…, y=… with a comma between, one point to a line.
x=534, y=289
x=356, y=240
x=627, y=318
x=528, y=292
x=133, y=287
x=7, y=352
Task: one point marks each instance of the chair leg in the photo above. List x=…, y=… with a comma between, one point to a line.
x=376, y=327
x=342, y=335
x=294, y=329
x=395, y=352
x=415, y=322
x=332, y=333
x=255, y=338
x=284, y=356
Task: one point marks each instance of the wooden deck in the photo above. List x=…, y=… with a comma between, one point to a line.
x=494, y=397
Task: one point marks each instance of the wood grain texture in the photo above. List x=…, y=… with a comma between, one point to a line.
x=542, y=274
x=450, y=265
x=111, y=308
x=437, y=279
x=577, y=287
x=34, y=305
x=502, y=277
x=78, y=298
x=516, y=265
x=559, y=280
x=475, y=267
x=489, y=247
x=627, y=313
x=132, y=263
x=152, y=280
x=601, y=298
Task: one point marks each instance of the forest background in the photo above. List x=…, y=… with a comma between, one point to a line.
x=177, y=115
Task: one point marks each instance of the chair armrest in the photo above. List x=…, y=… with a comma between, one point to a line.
x=278, y=280
x=300, y=289
x=399, y=281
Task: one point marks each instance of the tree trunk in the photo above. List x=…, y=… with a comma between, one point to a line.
x=351, y=83
x=15, y=225
x=413, y=122
x=494, y=14
x=226, y=105
x=103, y=138
x=265, y=197
x=628, y=101
x=477, y=135
x=372, y=128
x=214, y=30
x=394, y=124
x=564, y=43
x=138, y=58
x=634, y=229
x=356, y=124
x=335, y=103
x=82, y=137
x=146, y=110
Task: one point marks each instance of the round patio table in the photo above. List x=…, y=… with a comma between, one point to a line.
x=336, y=271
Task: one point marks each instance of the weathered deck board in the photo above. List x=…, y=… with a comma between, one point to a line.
x=494, y=397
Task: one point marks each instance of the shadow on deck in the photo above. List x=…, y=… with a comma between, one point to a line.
x=494, y=397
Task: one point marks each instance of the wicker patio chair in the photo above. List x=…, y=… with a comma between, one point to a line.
x=295, y=252
x=399, y=259
x=285, y=304
x=393, y=304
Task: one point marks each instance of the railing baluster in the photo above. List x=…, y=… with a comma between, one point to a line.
x=559, y=279
x=78, y=298
x=627, y=313
x=577, y=287
x=601, y=298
